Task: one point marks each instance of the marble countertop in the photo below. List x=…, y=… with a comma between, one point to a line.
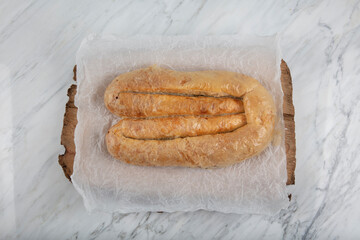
x=320, y=41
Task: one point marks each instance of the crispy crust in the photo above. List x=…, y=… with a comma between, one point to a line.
x=140, y=105
x=177, y=127
x=213, y=150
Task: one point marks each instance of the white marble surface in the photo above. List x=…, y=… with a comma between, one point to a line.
x=38, y=42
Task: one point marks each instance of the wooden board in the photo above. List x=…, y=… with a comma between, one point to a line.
x=66, y=160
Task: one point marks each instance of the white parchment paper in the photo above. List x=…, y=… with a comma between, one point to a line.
x=256, y=185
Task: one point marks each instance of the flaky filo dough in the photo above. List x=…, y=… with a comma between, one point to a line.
x=217, y=149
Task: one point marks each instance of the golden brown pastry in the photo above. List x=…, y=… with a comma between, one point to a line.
x=133, y=104
x=191, y=119
x=178, y=127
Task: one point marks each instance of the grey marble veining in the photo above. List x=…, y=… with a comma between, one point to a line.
x=320, y=41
